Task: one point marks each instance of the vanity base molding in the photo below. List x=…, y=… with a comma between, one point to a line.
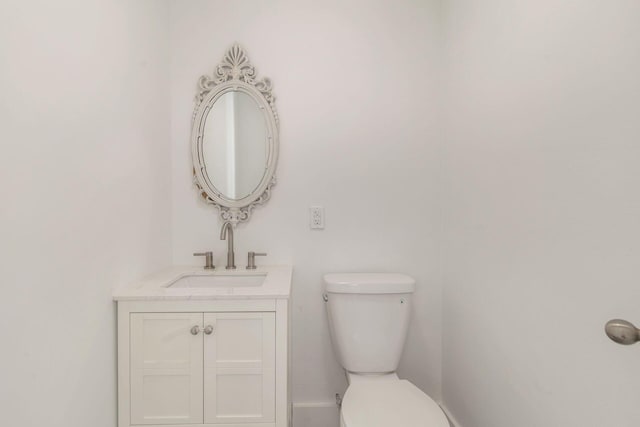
x=204, y=363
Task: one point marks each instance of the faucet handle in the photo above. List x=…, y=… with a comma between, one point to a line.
x=251, y=259
x=208, y=259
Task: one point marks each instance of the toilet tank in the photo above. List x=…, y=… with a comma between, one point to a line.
x=368, y=319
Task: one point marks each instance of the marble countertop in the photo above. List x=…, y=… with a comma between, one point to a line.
x=157, y=287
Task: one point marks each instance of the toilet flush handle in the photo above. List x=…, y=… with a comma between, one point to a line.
x=325, y=297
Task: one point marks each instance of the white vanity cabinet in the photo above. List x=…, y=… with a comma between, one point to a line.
x=165, y=373
x=209, y=360
x=240, y=368
x=211, y=368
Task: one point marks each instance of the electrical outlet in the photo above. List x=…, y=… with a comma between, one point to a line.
x=316, y=217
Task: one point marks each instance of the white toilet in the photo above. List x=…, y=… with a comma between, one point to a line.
x=368, y=318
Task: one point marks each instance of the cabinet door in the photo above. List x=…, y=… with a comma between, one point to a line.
x=166, y=368
x=239, y=368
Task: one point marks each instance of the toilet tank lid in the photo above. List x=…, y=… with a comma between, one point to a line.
x=369, y=283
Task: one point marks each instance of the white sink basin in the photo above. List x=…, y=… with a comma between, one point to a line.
x=219, y=281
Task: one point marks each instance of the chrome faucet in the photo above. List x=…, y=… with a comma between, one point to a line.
x=227, y=233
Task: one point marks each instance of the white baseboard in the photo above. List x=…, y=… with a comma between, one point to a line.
x=316, y=414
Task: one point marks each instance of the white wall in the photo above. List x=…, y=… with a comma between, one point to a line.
x=85, y=188
x=542, y=212
x=356, y=88
x=540, y=172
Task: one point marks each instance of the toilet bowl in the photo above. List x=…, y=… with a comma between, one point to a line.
x=368, y=320
x=392, y=404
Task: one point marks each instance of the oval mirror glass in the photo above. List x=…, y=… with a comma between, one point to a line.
x=235, y=145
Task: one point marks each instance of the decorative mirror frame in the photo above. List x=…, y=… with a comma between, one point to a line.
x=234, y=73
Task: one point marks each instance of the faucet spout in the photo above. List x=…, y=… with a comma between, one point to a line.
x=226, y=232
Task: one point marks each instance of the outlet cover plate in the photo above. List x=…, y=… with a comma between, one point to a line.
x=316, y=217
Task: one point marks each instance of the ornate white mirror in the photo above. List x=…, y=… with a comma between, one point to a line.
x=234, y=137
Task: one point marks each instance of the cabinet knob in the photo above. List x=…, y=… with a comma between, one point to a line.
x=208, y=329
x=195, y=330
